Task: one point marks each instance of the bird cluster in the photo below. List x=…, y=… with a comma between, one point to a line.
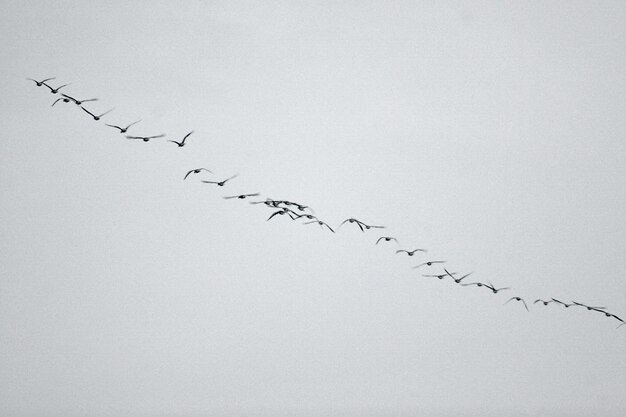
x=296, y=211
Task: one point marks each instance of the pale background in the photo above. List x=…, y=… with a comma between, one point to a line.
x=491, y=133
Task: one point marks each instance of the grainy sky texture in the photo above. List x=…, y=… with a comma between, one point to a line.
x=490, y=133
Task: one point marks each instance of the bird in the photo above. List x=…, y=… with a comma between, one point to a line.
x=561, y=302
x=321, y=223
x=411, y=252
x=145, y=138
x=299, y=206
x=494, y=289
x=386, y=238
x=306, y=216
x=429, y=263
x=182, y=142
x=196, y=171
x=220, y=183
x=123, y=129
x=457, y=280
x=478, y=284
x=545, y=303
x=55, y=90
x=518, y=299
x=78, y=102
x=588, y=307
x=65, y=100
x=93, y=115
x=268, y=202
x=40, y=83
x=352, y=220
x=439, y=276
x=241, y=196
x=280, y=213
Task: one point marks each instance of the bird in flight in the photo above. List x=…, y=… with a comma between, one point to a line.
x=545, y=303
x=494, y=289
x=561, y=302
x=321, y=223
x=457, y=280
x=361, y=225
x=518, y=299
x=196, y=171
x=280, y=213
x=411, y=252
x=78, y=102
x=123, y=129
x=588, y=307
x=145, y=138
x=96, y=117
x=40, y=83
x=182, y=142
x=65, y=100
x=429, y=263
x=386, y=239
x=221, y=183
x=241, y=196
x=55, y=90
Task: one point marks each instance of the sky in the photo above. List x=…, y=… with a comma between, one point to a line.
x=490, y=133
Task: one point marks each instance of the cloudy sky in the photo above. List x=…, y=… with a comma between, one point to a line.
x=490, y=133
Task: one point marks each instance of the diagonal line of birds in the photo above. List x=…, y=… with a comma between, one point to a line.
x=296, y=211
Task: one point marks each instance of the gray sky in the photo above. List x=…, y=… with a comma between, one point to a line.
x=491, y=133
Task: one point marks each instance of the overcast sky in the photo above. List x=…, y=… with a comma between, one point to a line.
x=490, y=133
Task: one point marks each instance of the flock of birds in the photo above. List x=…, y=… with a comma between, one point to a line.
x=296, y=211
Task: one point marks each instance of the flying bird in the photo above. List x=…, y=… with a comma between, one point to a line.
x=561, y=302
x=494, y=289
x=386, y=238
x=457, y=280
x=145, y=138
x=40, y=83
x=545, y=303
x=221, y=183
x=196, y=171
x=321, y=223
x=96, y=117
x=182, y=142
x=55, y=90
x=78, y=102
x=518, y=299
x=306, y=216
x=241, y=196
x=65, y=100
x=123, y=129
x=429, y=263
x=361, y=225
x=280, y=213
x=588, y=307
x=411, y=252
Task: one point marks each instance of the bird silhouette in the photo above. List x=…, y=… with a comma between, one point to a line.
x=411, y=252
x=41, y=83
x=306, y=216
x=96, y=117
x=429, y=263
x=494, y=289
x=587, y=307
x=240, y=196
x=145, y=138
x=78, y=102
x=55, y=90
x=457, y=280
x=65, y=100
x=321, y=223
x=196, y=171
x=561, y=302
x=123, y=129
x=182, y=142
x=281, y=213
x=386, y=239
x=518, y=299
x=352, y=220
x=220, y=183
x=545, y=303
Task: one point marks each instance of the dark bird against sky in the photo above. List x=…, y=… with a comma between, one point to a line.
x=123, y=129
x=182, y=142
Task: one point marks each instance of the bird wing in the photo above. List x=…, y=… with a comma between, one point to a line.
x=524, y=302
x=187, y=135
x=274, y=214
x=329, y=228
x=84, y=109
x=117, y=127
x=379, y=239
x=107, y=112
x=55, y=102
x=509, y=300
x=189, y=173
